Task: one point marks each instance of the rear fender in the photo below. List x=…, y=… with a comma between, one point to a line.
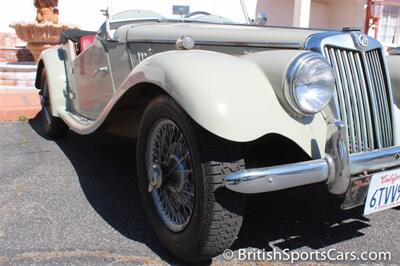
x=53, y=64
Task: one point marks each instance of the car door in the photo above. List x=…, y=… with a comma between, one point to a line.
x=93, y=81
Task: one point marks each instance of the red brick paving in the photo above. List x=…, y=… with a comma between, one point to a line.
x=18, y=104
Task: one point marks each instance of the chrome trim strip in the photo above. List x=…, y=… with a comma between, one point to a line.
x=240, y=44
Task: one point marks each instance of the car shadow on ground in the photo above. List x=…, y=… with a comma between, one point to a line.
x=304, y=217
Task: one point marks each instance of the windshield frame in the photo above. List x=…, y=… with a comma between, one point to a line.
x=237, y=14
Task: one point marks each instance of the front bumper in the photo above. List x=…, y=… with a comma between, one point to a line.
x=335, y=169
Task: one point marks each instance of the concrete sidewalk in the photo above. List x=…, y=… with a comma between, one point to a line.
x=18, y=104
x=19, y=99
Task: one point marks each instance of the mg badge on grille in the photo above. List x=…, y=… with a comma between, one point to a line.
x=362, y=40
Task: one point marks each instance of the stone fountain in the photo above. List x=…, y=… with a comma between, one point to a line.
x=45, y=32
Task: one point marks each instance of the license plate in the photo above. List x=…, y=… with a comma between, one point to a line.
x=383, y=192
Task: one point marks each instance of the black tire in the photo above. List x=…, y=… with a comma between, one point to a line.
x=52, y=127
x=217, y=212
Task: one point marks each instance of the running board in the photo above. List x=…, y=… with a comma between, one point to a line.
x=77, y=123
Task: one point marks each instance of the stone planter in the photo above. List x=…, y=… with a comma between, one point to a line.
x=40, y=36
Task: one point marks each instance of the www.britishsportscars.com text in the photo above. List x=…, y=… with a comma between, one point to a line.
x=295, y=256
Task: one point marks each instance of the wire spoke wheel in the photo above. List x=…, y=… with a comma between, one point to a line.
x=170, y=172
x=181, y=168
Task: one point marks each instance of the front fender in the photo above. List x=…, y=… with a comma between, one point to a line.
x=230, y=96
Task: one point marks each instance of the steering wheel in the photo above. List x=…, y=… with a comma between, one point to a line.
x=197, y=13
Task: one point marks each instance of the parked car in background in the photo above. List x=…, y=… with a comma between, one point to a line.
x=221, y=110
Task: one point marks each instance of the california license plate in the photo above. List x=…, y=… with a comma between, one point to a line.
x=383, y=192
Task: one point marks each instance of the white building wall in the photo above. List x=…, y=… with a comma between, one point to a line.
x=279, y=12
x=320, y=14
x=347, y=13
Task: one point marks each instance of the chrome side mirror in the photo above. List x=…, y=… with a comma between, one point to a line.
x=261, y=18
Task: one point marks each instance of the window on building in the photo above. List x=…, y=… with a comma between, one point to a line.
x=389, y=29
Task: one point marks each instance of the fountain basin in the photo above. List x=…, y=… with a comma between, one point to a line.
x=40, y=36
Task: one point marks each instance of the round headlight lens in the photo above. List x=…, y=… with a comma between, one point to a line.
x=310, y=84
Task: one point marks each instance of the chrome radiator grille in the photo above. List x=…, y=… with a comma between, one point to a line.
x=362, y=98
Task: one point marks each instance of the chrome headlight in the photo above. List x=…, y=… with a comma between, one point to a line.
x=309, y=84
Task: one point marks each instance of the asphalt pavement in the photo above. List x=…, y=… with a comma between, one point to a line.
x=75, y=201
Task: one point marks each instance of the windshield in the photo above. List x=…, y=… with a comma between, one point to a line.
x=209, y=11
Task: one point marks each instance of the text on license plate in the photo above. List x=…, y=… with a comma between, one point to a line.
x=383, y=192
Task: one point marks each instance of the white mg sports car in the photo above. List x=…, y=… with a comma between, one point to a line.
x=222, y=109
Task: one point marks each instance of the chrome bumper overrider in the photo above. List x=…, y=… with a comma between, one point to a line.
x=335, y=169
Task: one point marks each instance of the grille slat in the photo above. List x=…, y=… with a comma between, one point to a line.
x=385, y=106
x=365, y=103
x=335, y=99
x=385, y=135
x=360, y=101
x=375, y=83
x=362, y=98
x=340, y=96
x=373, y=102
x=354, y=104
x=347, y=102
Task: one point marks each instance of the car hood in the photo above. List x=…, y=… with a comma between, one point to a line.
x=238, y=34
